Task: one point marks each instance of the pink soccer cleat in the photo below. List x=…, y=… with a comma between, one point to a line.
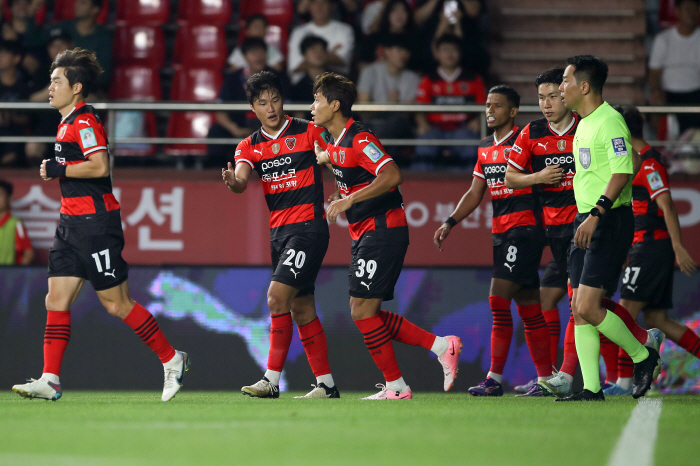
x=386, y=394
x=450, y=360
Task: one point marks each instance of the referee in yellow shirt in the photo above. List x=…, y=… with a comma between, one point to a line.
x=604, y=226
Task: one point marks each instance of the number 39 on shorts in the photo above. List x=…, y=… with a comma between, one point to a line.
x=370, y=266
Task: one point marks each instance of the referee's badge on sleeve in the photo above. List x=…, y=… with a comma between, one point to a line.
x=584, y=156
x=619, y=147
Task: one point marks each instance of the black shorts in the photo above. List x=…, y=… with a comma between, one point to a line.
x=600, y=265
x=375, y=268
x=517, y=260
x=556, y=274
x=297, y=260
x=649, y=274
x=93, y=253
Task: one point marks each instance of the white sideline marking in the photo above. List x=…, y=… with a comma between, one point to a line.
x=638, y=439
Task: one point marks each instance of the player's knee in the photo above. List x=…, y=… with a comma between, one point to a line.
x=55, y=303
x=654, y=319
x=277, y=304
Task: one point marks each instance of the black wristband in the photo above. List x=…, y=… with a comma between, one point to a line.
x=55, y=169
x=605, y=203
x=451, y=222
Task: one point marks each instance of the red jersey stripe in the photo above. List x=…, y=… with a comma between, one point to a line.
x=296, y=214
x=359, y=228
x=110, y=202
x=77, y=205
x=504, y=223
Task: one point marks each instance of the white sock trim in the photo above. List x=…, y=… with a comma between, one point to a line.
x=326, y=379
x=497, y=377
x=273, y=376
x=398, y=385
x=439, y=346
x=624, y=382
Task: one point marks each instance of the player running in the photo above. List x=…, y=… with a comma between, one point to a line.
x=89, y=239
x=518, y=240
x=647, y=283
x=542, y=157
x=368, y=191
x=282, y=153
x=604, y=226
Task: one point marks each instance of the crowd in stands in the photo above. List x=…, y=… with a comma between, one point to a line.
x=397, y=51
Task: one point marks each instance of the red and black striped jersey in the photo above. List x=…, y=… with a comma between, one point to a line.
x=84, y=201
x=515, y=211
x=652, y=180
x=292, y=180
x=357, y=158
x=537, y=147
x=461, y=89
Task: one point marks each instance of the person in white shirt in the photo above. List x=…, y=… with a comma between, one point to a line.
x=674, y=64
x=340, y=38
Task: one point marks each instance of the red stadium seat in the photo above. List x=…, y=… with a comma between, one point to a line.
x=138, y=45
x=136, y=83
x=216, y=12
x=65, y=9
x=277, y=12
x=667, y=13
x=143, y=11
x=200, y=46
x=198, y=85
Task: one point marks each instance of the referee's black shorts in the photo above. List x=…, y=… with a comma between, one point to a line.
x=600, y=265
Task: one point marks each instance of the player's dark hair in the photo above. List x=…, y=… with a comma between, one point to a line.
x=591, y=69
x=449, y=39
x=510, y=94
x=264, y=81
x=551, y=76
x=7, y=186
x=634, y=119
x=310, y=41
x=336, y=87
x=79, y=66
x=252, y=43
x=256, y=17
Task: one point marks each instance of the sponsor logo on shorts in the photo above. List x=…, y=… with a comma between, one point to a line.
x=510, y=267
x=584, y=156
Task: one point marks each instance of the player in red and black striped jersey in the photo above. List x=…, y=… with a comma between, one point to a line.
x=89, y=238
x=282, y=154
x=518, y=239
x=368, y=192
x=542, y=158
x=647, y=282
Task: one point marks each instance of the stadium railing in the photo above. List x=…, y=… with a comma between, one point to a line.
x=111, y=107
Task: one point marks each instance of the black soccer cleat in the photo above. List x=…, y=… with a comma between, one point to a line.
x=322, y=391
x=644, y=373
x=584, y=395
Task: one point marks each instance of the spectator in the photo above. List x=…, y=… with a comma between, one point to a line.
x=315, y=52
x=449, y=84
x=45, y=123
x=389, y=81
x=15, y=28
x=15, y=245
x=457, y=17
x=256, y=26
x=395, y=18
x=340, y=38
x=237, y=124
x=674, y=64
x=13, y=88
x=343, y=10
x=88, y=34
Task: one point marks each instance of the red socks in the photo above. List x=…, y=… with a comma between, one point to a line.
x=56, y=340
x=314, y=340
x=609, y=351
x=280, y=339
x=501, y=333
x=378, y=341
x=570, y=362
x=404, y=331
x=690, y=342
x=639, y=333
x=537, y=338
x=551, y=316
x=625, y=365
x=146, y=327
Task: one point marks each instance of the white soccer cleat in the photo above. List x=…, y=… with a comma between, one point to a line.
x=557, y=386
x=174, y=376
x=450, y=361
x=385, y=393
x=261, y=389
x=41, y=388
x=321, y=391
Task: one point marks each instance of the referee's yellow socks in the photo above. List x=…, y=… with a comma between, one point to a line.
x=615, y=329
x=588, y=349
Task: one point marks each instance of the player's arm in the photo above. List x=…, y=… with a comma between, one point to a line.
x=469, y=202
x=388, y=179
x=236, y=179
x=685, y=262
x=519, y=168
x=95, y=166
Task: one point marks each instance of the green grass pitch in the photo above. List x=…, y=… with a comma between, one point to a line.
x=211, y=428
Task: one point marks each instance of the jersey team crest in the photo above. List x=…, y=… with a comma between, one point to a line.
x=290, y=143
x=584, y=156
x=62, y=132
